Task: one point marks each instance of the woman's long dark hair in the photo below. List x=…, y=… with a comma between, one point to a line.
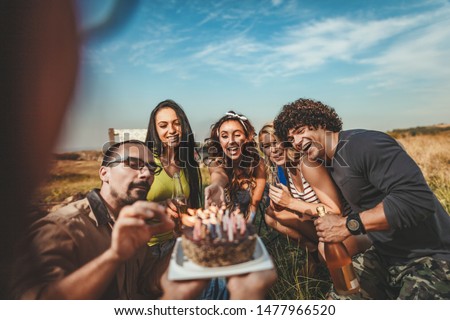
x=185, y=152
x=250, y=156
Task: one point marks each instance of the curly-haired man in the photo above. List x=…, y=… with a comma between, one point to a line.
x=389, y=199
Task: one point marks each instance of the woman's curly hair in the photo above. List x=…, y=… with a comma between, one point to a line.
x=306, y=112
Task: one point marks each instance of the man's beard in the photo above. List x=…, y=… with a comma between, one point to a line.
x=129, y=199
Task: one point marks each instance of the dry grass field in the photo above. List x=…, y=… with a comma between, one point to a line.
x=432, y=154
x=68, y=178
x=431, y=151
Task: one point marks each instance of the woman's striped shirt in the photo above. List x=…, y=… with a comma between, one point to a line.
x=308, y=194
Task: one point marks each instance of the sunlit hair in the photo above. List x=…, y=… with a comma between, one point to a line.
x=111, y=153
x=292, y=156
x=184, y=153
x=250, y=156
x=267, y=129
x=306, y=112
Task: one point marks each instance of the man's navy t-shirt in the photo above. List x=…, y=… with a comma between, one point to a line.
x=370, y=167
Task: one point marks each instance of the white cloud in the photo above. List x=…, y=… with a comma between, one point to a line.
x=101, y=58
x=143, y=51
x=409, y=46
x=307, y=47
x=402, y=48
x=211, y=16
x=240, y=46
x=277, y=2
x=420, y=55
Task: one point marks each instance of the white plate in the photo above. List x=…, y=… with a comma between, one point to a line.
x=181, y=268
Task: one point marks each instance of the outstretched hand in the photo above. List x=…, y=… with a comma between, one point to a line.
x=214, y=194
x=181, y=290
x=251, y=286
x=135, y=225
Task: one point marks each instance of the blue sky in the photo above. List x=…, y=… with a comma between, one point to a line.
x=382, y=64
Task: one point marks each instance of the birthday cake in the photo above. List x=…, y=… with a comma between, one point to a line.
x=217, y=237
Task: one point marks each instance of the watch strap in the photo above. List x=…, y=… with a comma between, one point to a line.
x=361, y=229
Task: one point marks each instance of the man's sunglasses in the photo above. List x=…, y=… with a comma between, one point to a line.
x=137, y=164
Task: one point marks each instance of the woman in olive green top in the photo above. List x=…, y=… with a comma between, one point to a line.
x=170, y=136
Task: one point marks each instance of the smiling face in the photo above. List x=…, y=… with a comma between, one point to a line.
x=272, y=149
x=123, y=181
x=231, y=138
x=308, y=140
x=168, y=127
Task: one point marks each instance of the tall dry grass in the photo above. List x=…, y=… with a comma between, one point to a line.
x=296, y=281
x=432, y=154
x=66, y=179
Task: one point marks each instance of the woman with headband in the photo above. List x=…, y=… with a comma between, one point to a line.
x=237, y=172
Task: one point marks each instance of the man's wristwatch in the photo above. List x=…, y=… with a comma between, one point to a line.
x=354, y=224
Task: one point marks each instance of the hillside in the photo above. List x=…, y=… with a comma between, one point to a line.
x=417, y=131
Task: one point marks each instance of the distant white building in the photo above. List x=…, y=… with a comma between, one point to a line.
x=118, y=135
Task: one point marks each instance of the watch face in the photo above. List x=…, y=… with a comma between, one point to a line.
x=353, y=225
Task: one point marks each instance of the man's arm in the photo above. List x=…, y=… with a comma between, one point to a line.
x=129, y=234
x=95, y=277
x=389, y=169
x=332, y=228
x=408, y=199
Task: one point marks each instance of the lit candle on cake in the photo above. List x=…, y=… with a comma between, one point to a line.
x=243, y=225
x=230, y=230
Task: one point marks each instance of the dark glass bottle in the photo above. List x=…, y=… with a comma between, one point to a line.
x=340, y=265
